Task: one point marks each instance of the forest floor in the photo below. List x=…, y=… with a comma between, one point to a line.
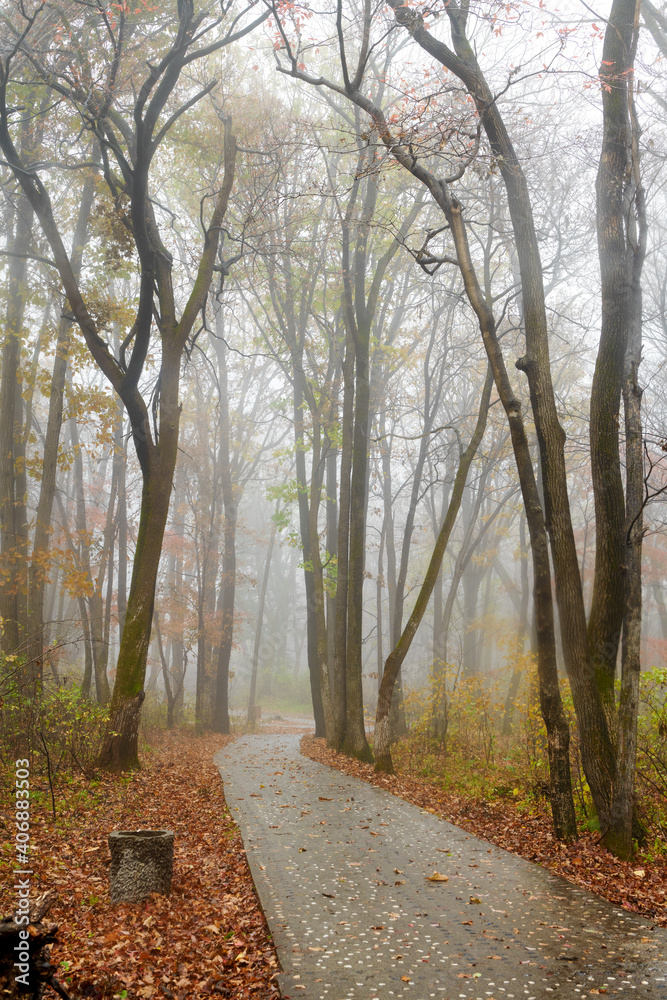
x=208, y=938
x=639, y=886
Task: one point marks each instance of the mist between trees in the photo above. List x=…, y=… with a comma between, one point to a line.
x=333, y=381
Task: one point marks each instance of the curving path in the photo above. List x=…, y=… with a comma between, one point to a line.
x=341, y=870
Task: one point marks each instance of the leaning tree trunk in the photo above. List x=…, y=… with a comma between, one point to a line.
x=120, y=748
x=47, y=489
x=383, y=761
x=552, y=708
x=597, y=751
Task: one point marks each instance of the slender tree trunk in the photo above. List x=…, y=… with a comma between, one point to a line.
x=659, y=598
x=332, y=553
x=258, y=629
x=517, y=671
x=383, y=761
x=379, y=584
x=230, y=496
x=299, y=401
x=356, y=744
x=597, y=751
x=11, y=404
x=385, y=455
x=316, y=479
x=165, y=672
x=39, y=560
x=176, y=617
x=340, y=637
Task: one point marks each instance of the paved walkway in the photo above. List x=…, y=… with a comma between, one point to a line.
x=341, y=869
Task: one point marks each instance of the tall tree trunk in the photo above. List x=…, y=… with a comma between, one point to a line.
x=316, y=480
x=379, y=585
x=299, y=401
x=659, y=598
x=175, y=591
x=230, y=494
x=165, y=672
x=597, y=749
x=343, y=548
x=156, y=442
x=383, y=761
x=356, y=743
x=120, y=455
x=332, y=553
x=120, y=749
x=522, y=607
x=258, y=628
x=39, y=560
x=622, y=170
x=11, y=405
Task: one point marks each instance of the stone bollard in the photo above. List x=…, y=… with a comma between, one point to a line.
x=142, y=862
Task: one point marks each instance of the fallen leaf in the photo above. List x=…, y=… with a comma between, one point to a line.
x=437, y=877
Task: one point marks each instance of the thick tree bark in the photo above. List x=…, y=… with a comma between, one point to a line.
x=622, y=242
x=617, y=261
x=120, y=749
x=120, y=456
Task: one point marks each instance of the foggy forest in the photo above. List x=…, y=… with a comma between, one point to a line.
x=334, y=389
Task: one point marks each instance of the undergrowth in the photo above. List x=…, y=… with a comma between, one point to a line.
x=464, y=738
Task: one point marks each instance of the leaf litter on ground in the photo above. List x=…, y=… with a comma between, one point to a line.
x=585, y=862
x=208, y=938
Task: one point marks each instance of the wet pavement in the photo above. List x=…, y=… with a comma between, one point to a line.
x=342, y=870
